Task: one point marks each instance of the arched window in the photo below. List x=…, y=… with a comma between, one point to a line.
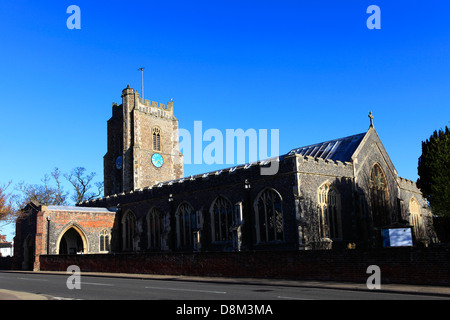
x=329, y=212
x=128, y=231
x=185, y=216
x=269, y=217
x=156, y=223
x=379, y=197
x=222, y=212
x=104, y=241
x=416, y=218
x=156, y=132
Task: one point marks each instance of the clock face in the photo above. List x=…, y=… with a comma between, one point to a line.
x=119, y=163
x=157, y=160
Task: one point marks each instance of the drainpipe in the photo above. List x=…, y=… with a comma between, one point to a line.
x=48, y=234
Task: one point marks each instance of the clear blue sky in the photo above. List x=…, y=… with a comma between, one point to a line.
x=311, y=69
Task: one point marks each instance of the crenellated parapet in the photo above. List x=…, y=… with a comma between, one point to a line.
x=131, y=99
x=408, y=185
x=308, y=164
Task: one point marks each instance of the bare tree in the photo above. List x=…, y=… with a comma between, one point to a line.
x=82, y=183
x=50, y=192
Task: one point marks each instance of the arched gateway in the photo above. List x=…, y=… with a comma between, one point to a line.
x=72, y=241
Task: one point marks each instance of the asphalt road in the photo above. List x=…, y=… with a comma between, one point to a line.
x=111, y=288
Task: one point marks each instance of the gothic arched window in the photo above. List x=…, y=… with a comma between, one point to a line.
x=269, y=216
x=128, y=231
x=330, y=212
x=104, y=241
x=185, y=224
x=156, y=133
x=156, y=223
x=379, y=197
x=416, y=218
x=222, y=212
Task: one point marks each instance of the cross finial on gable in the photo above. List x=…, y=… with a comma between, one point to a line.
x=371, y=119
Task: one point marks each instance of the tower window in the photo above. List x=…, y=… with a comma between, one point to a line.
x=156, y=139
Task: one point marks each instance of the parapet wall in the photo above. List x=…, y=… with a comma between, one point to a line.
x=308, y=164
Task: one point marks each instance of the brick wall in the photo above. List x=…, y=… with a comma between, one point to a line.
x=398, y=265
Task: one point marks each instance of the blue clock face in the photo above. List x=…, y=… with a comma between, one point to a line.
x=157, y=160
x=119, y=163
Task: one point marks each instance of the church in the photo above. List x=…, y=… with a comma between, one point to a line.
x=331, y=195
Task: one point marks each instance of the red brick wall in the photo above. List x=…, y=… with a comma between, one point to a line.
x=92, y=223
x=398, y=265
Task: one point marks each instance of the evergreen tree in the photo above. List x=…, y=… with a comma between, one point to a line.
x=434, y=172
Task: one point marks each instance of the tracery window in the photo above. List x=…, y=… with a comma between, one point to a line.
x=186, y=222
x=329, y=212
x=156, y=133
x=416, y=218
x=128, y=231
x=379, y=197
x=104, y=241
x=222, y=212
x=269, y=216
x=156, y=223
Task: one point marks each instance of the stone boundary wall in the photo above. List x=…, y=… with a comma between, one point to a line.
x=398, y=265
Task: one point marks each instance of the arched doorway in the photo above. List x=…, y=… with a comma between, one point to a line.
x=72, y=242
x=28, y=253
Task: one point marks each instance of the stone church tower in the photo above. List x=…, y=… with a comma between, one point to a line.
x=142, y=145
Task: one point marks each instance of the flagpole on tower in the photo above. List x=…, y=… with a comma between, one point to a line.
x=142, y=72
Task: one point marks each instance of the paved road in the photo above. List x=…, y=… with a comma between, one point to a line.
x=113, y=288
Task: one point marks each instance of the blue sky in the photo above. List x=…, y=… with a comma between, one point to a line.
x=311, y=69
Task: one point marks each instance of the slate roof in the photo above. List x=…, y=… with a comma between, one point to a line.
x=81, y=209
x=340, y=149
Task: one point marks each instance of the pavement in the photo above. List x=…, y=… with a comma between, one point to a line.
x=392, y=288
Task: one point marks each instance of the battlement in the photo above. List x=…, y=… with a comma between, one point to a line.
x=312, y=165
x=147, y=105
x=407, y=181
x=320, y=161
x=407, y=184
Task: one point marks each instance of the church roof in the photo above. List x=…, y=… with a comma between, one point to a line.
x=340, y=149
x=81, y=209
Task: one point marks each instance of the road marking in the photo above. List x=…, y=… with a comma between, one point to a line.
x=292, y=298
x=30, y=279
x=98, y=284
x=189, y=290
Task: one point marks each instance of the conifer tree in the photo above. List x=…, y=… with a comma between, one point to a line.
x=434, y=172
